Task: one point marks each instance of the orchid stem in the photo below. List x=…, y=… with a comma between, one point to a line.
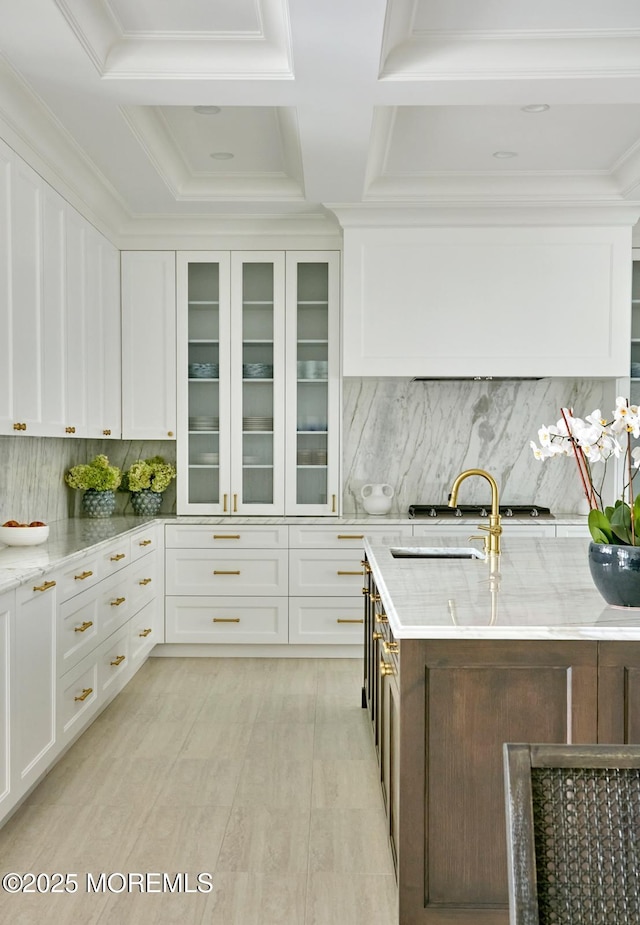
x=581, y=464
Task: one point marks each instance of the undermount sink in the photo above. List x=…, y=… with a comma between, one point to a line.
x=436, y=552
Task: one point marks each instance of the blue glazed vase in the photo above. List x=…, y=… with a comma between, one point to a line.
x=98, y=503
x=616, y=573
x=146, y=502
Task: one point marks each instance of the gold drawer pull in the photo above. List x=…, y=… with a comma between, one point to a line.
x=145, y=542
x=366, y=566
x=85, y=626
x=375, y=597
x=117, y=557
x=106, y=432
x=381, y=618
x=226, y=619
x=85, y=693
x=340, y=572
x=343, y=620
x=226, y=536
x=83, y=576
x=350, y=536
x=376, y=635
x=118, y=660
x=118, y=601
x=144, y=581
x=390, y=646
x=226, y=572
x=69, y=430
x=145, y=632
x=386, y=669
x=19, y=426
x=45, y=586
x=365, y=591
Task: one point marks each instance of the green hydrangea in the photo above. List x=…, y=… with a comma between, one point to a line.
x=153, y=473
x=98, y=474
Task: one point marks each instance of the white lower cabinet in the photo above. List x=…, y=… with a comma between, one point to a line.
x=326, y=620
x=69, y=642
x=33, y=682
x=7, y=605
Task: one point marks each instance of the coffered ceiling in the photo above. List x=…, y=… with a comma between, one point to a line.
x=244, y=108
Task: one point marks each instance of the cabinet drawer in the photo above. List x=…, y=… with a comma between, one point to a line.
x=145, y=630
x=115, y=556
x=213, y=536
x=144, y=541
x=211, y=619
x=325, y=572
x=83, y=574
x=142, y=584
x=333, y=621
x=338, y=537
x=204, y=571
x=77, y=697
x=114, y=663
x=114, y=605
x=78, y=629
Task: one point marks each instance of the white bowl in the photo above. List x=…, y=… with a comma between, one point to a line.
x=23, y=536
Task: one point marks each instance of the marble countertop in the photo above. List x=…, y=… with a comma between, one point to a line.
x=70, y=539
x=538, y=588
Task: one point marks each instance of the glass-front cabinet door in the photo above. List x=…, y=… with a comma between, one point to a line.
x=203, y=386
x=257, y=383
x=313, y=391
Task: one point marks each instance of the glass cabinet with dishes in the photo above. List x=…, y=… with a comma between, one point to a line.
x=258, y=383
x=634, y=391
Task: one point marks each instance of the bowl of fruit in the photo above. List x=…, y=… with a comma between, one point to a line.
x=14, y=533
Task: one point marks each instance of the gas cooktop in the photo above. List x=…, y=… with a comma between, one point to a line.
x=478, y=510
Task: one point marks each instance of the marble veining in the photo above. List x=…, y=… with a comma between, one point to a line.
x=536, y=589
x=417, y=436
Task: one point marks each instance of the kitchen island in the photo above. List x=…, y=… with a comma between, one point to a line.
x=462, y=655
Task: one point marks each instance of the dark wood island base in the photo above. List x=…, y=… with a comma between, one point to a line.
x=440, y=712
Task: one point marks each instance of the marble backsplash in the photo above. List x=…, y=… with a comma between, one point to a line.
x=416, y=436
x=32, y=473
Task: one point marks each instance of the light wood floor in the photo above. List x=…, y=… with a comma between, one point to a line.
x=260, y=772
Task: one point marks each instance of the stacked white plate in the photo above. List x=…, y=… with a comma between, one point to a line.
x=204, y=370
x=257, y=423
x=257, y=371
x=208, y=459
x=203, y=422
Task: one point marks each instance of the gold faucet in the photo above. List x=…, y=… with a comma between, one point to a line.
x=494, y=529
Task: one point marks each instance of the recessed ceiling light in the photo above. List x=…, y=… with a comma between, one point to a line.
x=207, y=110
x=505, y=154
x=222, y=155
x=536, y=107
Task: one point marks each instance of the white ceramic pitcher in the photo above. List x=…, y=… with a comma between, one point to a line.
x=376, y=498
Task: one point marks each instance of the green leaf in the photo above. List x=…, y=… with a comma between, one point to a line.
x=621, y=522
x=600, y=527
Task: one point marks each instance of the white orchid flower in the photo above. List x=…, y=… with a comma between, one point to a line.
x=544, y=436
x=635, y=456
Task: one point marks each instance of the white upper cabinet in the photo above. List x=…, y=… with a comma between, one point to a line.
x=59, y=313
x=258, y=387
x=148, y=345
x=487, y=301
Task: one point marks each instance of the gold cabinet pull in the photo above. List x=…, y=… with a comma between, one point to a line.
x=376, y=635
x=350, y=536
x=145, y=542
x=386, y=669
x=118, y=660
x=365, y=591
x=85, y=693
x=333, y=504
x=344, y=620
x=366, y=566
x=84, y=627
x=145, y=632
x=390, y=646
x=226, y=619
x=107, y=432
x=82, y=576
x=118, y=556
x=144, y=581
x=118, y=601
x=226, y=571
x=69, y=430
x=45, y=586
x=226, y=536
x=169, y=433
x=375, y=597
x=224, y=503
x=342, y=572
x=235, y=504
x=19, y=426
x=381, y=618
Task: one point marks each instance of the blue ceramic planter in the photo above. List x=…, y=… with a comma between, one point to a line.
x=616, y=573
